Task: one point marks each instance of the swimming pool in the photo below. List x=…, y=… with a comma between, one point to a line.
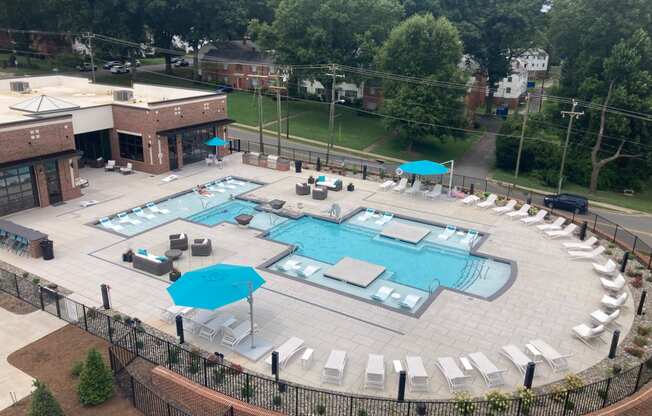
x=229, y=210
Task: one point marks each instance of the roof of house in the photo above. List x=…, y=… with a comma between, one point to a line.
x=244, y=51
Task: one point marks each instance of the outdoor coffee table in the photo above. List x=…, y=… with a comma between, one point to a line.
x=173, y=254
x=276, y=203
x=244, y=219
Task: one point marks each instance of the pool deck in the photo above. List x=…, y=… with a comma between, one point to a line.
x=549, y=296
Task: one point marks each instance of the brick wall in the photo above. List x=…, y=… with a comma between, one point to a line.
x=66, y=177
x=27, y=140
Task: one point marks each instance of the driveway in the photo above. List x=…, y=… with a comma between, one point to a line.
x=479, y=160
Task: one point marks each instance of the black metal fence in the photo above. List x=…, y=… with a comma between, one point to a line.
x=131, y=341
x=597, y=224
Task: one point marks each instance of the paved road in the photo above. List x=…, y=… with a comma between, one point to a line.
x=479, y=160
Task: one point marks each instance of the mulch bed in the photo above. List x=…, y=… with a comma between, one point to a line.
x=50, y=359
x=15, y=305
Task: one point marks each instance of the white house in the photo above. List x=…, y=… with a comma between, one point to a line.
x=535, y=61
x=343, y=90
x=514, y=86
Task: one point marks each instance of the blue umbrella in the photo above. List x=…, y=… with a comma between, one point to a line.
x=216, y=141
x=423, y=168
x=217, y=286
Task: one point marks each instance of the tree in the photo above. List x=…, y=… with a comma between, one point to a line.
x=43, y=402
x=164, y=22
x=422, y=47
x=96, y=380
x=494, y=32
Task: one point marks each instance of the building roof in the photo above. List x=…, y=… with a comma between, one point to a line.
x=244, y=51
x=43, y=104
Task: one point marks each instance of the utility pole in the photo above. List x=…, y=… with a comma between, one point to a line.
x=331, y=120
x=89, y=36
x=520, y=143
x=259, y=89
x=572, y=116
x=278, y=89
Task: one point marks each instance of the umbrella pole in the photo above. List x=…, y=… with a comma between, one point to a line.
x=251, y=313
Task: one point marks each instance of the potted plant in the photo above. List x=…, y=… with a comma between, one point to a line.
x=350, y=187
x=311, y=180
x=174, y=274
x=128, y=256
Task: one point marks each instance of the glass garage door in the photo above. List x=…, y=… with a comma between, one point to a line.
x=17, y=190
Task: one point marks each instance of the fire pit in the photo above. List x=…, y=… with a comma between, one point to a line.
x=276, y=203
x=244, y=219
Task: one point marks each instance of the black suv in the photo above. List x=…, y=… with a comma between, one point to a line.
x=568, y=202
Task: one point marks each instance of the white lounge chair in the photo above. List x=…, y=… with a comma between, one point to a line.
x=410, y=301
x=382, y=293
x=286, y=350
x=414, y=189
x=489, y=202
x=308, y=271
x=521, y=213
x=553, y=226
x=155, y=209
x=374, y=374
x=609, y=268
x=123, y=218
x=586, y=255
x=193, y=322
x=454, y=376
x=535, y=219
x=140, y=213
x=556, y=361
x=233, y=336
x=586, y=333
x=615, y=285
x=290, y=265
x=369, y=212
x=416, y=374
x=582, y=245
x=493, y=376
x=471, y=199
x=508, y=207
x=517, y=357
x=106, y=223
x=110, y=165
x=88, y=203
x=126, y=170
x=210, y=330
x=387, y=185
x=469, y=238
x=402, y=184
x=170, y=313
x=603, y=318
x=333, y=371
x=170, y=178
x=434, y=192
x=611, y=302
x=387, y=217
x=565, y=233
x=448, y=232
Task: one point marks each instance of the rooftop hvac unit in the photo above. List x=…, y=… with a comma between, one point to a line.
x=123, y=95
x=19, y=86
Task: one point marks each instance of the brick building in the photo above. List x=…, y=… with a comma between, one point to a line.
x=51, y=125
x=233, y=62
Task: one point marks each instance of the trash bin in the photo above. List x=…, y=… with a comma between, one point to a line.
x=47, y=249
x=297, y=166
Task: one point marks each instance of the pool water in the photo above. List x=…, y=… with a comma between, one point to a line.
x=226, y=212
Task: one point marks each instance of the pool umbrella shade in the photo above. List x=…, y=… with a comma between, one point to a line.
x=217, y=286
x=423, y=168
x=217, y=142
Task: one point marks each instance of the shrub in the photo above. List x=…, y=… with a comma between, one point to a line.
x=95, y=381
x=77, y=368
x=616, y=369
x=362, y=412
x=320, y=409
x=644, y=330
x=640, y=341
x=464, y=403
x=247, y=391
x=219, y=375
x=235, y=369
x=636, y=282
x=117, y=317
x=43, y=402
x=635, y=351
x=498, y=401
x=173, y=355
x=277, y=400
x=558, y=393
x=195, y=360
x=36, y=280
x=608, y=252
x=527, y=397
x=573, y=381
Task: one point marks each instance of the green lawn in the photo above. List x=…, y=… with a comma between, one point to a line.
x=435, y=150
x=152, y=61
x=243, y=108
x=640, y=201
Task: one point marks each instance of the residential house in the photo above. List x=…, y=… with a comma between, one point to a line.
x=234, y=62
x=536, y=63
x=509, y=92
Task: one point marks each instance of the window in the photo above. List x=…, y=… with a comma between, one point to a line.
x=226, y=80
x=131, y=147
x=254, y=83
x=17, y=190
x=319, y=91
x=508, y=90
x=225, y=67
x=253, y=68
x=350, y=94
x=372, y=90
x=509, y=79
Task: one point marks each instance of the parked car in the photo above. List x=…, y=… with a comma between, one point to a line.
x=119, y=69
x=86, y=67
x=181, y=62
x=111, y=64
x=567, y=202
x=174, y=59
x=128, y=64
x=223, y=89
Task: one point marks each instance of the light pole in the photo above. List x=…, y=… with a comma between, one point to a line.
x=331, y=120
x=572, y=116
x=520, y=143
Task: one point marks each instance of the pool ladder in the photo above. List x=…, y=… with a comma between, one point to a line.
x=472, y=271
x=434, y=287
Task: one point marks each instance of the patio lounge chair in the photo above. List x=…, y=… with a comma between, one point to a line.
x=535, y=219
x=615, y=285
x=586, y=255
x=521, y=213
x=410, y=301
x=387, y=185
x=586, y=333
x=553, y=226
x=369, y=212
x=509, y=207
x=170, y=178
x=469, y=238
x=302, y=189
x=382, y=293
x=374, y=373
x=170, y=313
x=193, y=322
x=210, y=330
x=517, y=357
x=123, y=218
x=286, y=350
x=153, y=208
x=603, y=318
x=110, y=166
x=319, y=193
x=387, y=217
x=493, y=376
x=556, y=361
x=127, y=170
x=333, y=371
x=140, y=213
x=402, y=184
x=582, y=245
x=454, y=376
x=609, y=268
x=416, y=374
x=434, y=192
x=290, y=265
x=565, y=233
x=471, y=199
x=308, y=271
x=414, y=189
x=489, y=202
x=201, y=247
x=178, y=241
x=233, y=336
x=610, y=302
x=447, y=233
x=106, y=223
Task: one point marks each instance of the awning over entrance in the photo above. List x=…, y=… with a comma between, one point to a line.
x=220, y=122
x=43, y=158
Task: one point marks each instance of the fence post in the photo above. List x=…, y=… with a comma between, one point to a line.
x=485, y=185
x=133, y=391
x=108, y=321
x=595, y=221
x=518, y=408
x=169, y=360
x=566, y=402
x=85, y=318
x=169, y=409
x=605, y=400
x=296, y=401
x=136, y=341
x=638, y=377
x=248, y=387
x=350, y=405
x=615, y=233
x=205, y=372
x=16, y=284
x=40, y=297
x=634, y=246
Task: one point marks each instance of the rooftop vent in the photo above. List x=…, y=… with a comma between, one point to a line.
x=19, y=86
x=123, y=95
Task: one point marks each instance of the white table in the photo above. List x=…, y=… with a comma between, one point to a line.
x=306, y=358
x=396, y=296
x=534, y=353
x=466, y=364
x=398, y=366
